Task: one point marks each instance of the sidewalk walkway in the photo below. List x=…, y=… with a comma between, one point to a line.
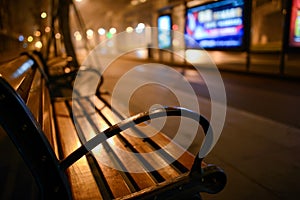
x=260, y=141
x=260, y=157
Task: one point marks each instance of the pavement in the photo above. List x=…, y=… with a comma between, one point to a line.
x=260, y=142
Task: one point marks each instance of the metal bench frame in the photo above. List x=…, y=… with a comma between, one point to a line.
x=50, y=172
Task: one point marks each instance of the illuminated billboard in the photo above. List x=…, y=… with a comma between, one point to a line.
x=294, y=37
x=164, y=24
x=217, y=25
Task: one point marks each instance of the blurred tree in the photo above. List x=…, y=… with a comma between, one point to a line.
x=4, y=13
x=64, y=23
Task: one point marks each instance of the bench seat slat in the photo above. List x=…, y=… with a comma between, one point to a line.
x=12, y=72
x=33, y=100
x=143, y=180
x=186, y=159
x=137, y=145
x=113, y=178
x=48, y=119
x=80, y=176
x=110, y=178
x=104, y=153
x=116, y=182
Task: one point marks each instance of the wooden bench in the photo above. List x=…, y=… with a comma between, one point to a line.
x=75, y=155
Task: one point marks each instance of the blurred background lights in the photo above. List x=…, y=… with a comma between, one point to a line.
x=129, y=29
x=176, y=42
x=109, y=35
x=47, y=29
x=101, y=31
x=57, y=35
x=175, y=27
x=76, y=33
x=43, y=15
x=77, y=36
x=89, y=34
x=134, y=2
x=113, y=30
x=140, y=28
x=37, y=33
x=21, y=38
x=30, y=38
x=38, y=45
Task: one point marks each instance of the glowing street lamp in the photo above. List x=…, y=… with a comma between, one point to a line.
x=140, y=28
x=37, y=33
x=57, y=35
x=47, y=29
x=30, y=38
x=43, y=15
x=38, y=44
x=89, y=34
x=129, y=29
x=113, y=30
x=77, y=36
x=101, y=31
x=21, y=38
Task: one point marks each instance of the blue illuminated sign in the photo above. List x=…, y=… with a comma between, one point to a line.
x=164, y=31
x=217, y=25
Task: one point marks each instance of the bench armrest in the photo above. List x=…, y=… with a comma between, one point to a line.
x=131, y=122
x=202, y=177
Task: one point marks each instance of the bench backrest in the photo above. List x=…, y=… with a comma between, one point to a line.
x=25, y=114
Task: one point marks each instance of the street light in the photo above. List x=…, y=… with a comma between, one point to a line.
x=43, y=15
x=101, y=31
x=47, y=29
x=113, y=30
x=89, y=34
x=129, y=29
x=30, y=38
x=21, y=38
x=58, y=36
x=37, y=33
x=38, y=45
x=140, y=28
x=77, y=36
